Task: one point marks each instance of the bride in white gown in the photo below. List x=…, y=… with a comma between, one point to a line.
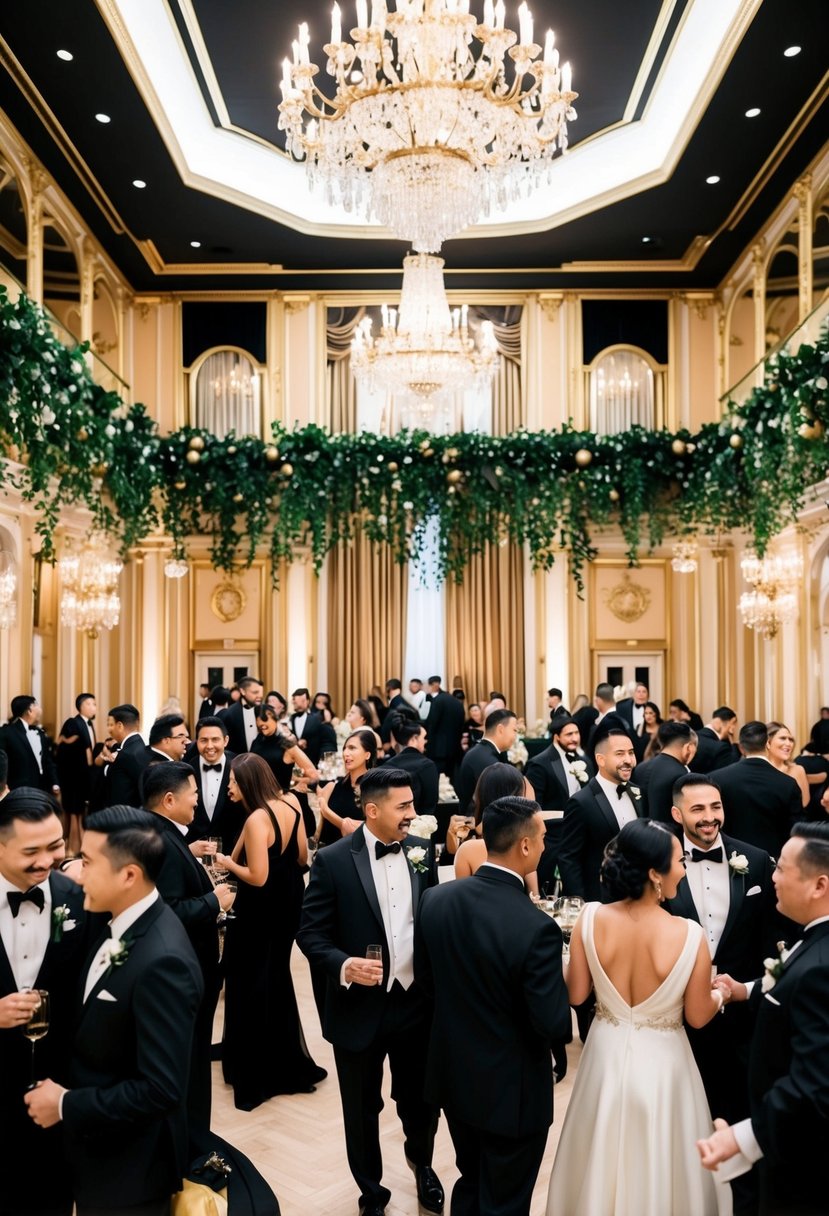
x=628, y=1145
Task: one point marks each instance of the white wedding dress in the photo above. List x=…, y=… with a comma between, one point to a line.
x=628, y=1145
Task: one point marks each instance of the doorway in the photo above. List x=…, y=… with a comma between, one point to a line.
x=224, y=667
x=623, y=669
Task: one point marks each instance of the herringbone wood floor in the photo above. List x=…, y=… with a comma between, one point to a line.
x=297, y=1140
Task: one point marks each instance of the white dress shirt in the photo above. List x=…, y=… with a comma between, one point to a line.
x=35, y=743
x=637, y=714
x=393, y=884
x=25, y=936
x=710, y=885
x=90, y=730
x=573, y=784
x=623, y=807
x=117, y=928
x=211, y=783
x=249, y=719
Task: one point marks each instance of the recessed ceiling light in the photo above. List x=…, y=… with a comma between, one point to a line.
x=712, y=180
x=139, y=185
x=646, y=240
x=195, y=244
x=753, y=112
x=791, y=51
x=66, y=56
x=104, y=118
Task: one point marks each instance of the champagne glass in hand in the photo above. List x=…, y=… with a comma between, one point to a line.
x=37, y=1025
x=215, y=843
x=232, y=885
x=375, y=955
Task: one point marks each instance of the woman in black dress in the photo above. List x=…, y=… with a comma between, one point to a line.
x=339, y=801
x=259, y=991
x=278, y=748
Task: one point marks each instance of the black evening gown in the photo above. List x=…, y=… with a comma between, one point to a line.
x=345, y=802
x=272, y=749
x=264, y=1047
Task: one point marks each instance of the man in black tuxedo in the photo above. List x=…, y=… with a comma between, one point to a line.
x=313, y=735
x=678, y=746
x=761, y=804
x=123, y=1115
x=606, y=717
x=788, y=1130
x=28, y=748
x=44, y=940
x=76, y=743
x=632, y=709
x=555, y=775
x=493, y=962
x=365, y=889
x=596, y=814
x=170, y=794
x=500, y=730
x=127, y=759
x=169, y=739
x=556, y=705
x=206, y=709
x=444, y=727
x=729, y=891
x=396, y=700
x=410, y=738
x=240, y=719
x=215, y=814
x=715, y=742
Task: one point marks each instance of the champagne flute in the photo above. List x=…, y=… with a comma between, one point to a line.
x=37, y=1025
x=232, y=884
x=216, y=847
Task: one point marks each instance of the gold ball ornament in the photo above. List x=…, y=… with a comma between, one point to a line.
x=428, y=451
x=238, y=498
x=232, y=450
x=193, y=457
x=287, y=469
x=810, y=430
x=97, y=470
x=83, y=434
x=583, y=457
x=392, y=466
x=679, y=447
x=180, y=485
x=454, y=476
x=614, y=495
x=424, y=445
x=736, y=441
x=196, y=444
x=271, y=454
x=690, y=448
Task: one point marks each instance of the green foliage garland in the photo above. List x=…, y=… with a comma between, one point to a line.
x=307, y=489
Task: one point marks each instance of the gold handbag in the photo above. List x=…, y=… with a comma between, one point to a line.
x=196, y=1199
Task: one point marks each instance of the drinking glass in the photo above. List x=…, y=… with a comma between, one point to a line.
x=215, y=843
x=37, y=1025
x=232, y=885
x=375, y=955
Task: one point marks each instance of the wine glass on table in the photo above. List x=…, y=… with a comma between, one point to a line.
x=37, y=1025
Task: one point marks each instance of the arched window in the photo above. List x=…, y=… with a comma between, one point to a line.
x=226, y=393
x=625, y=388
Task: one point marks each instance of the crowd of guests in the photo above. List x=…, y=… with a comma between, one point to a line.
x=192, y=857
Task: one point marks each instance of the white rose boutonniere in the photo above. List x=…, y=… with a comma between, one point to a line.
x=417, y=859
x=635, y=792
x=738, y=863
x=117, y=953
x=61, y=922
x=773, y=969
x=423, y=826
x=578, y=769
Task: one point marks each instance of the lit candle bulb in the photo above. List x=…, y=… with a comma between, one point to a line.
x=566, y=78
x=286, y=77
x=384, y=311
x=465, y=316
x=455, y=319
x=489, y=16
x=549, y=43
x=303, y=42
x=336, y=25
x=378, y=15
x=362, y=14
x=295, y=51
x=500, y=13
x=525, y=24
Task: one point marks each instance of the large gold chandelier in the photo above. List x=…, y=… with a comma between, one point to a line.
x=436, y=120
x=424, y=348
x=775, y=582
x=89, y=587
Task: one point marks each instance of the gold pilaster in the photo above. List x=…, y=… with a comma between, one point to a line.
x=803, y=193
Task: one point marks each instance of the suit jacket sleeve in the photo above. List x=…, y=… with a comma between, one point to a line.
x=190, y=909
x=317, y=930
x=573, y=832
x=429, y=778
x=544, y=989
x=164, y=1005
x=801, y=1097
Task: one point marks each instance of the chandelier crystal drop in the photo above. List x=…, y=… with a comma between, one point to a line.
x=684, y=560
x=89, y=587
x=424, y=348
x=436, y=120
x=775, y=582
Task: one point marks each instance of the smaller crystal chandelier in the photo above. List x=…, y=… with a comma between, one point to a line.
x=684, y=560
x=175, y=568
x=773, y=600
x=89, y=587
x=424, y=348
x=237, y=383
x=8, y=590
x=436, y=118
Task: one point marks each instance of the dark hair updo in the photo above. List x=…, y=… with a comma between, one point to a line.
x=641, y=846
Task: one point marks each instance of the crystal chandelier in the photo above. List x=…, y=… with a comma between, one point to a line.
x=8, y=590
x=684, y=560
x=237, y=383
x=424, y=348
x=773, y=600
x=89, y=587
x=436, y=119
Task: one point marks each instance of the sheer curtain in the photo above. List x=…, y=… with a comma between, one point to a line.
x=228, y=395
x=623, y=392
x=342, y=391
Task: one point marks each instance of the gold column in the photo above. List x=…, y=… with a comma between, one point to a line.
x=758, y=254
x=87, y=275
x=34, y=232
x=803, y=193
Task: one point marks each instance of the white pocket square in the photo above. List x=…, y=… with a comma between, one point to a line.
x=753, y=891
x=773, y=1000
x=103, y=995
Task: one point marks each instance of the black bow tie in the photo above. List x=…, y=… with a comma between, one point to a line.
x=570, y=757
x=34, y=728
x=380, y=849
x=211, y=768
x=622, y=788
x=16, y=898
x=711, y=855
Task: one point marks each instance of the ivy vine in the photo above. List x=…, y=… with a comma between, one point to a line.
x=67, y=442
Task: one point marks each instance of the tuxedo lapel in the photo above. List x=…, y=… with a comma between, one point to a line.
x=604, y=806
x=62, y=893
x=179, y=842
x=111, y=972
x=807, y=942
x=558, y=772
x=683, y=904
x=7, y=980
x=737, y=886
x=362, y=861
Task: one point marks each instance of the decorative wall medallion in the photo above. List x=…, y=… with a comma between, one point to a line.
x=228, y=601
x=628, y=601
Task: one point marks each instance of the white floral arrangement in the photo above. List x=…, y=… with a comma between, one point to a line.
x=446, y=791
x=423, y=826
x=738, y=863
x=342, y=730
x=539, y=729
x=416, y=858
x=579, y=770
x=518, y=754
